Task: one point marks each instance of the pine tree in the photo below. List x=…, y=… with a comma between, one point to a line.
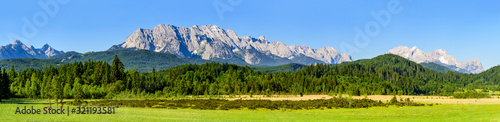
x=48, y=90
x=77, y=90
x=117, y=70
x=67, y=91
x=4, y=83
x=55, y=90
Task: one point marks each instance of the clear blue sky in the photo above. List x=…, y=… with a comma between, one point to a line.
x=465, y=28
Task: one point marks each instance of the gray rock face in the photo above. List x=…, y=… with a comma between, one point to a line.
x=439, y=57
x=212, y=42
x=18, y=50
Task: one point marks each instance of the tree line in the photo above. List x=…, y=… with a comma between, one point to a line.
x=383, y=75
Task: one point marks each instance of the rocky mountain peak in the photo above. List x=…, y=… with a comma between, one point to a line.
x=164, y=26
x=262, y=38
x=440, y=52
x=17, y=42
x=140, y=30
x=414, y=48
x=213, y=26
x=399, y=49
x=46, y=46
x=330, y=48
x=475, y=59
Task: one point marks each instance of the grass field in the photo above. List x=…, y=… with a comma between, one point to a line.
x=420, y=99
x=441, y=112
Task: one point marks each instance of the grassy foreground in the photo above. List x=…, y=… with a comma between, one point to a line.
x=443, y=112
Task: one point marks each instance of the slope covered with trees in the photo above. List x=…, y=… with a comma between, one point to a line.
x=27, y=63
x=281, y=68
x=487, y=80
x=140, y=60
x=436, y=67
x=385, y=74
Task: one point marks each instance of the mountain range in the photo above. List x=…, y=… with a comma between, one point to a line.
x=440, y=57
x=211, y=42
x=18, y=50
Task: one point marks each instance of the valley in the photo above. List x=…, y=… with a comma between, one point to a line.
x=250, y=60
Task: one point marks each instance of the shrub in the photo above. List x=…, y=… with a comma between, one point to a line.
x=394, y=100
x=470, y=94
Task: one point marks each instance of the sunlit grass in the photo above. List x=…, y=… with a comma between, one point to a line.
x=443, y=112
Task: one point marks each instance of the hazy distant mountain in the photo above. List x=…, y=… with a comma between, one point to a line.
x=439, y=57
x=213, y=43
x=18, y=50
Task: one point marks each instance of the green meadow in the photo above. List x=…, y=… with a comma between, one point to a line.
x=441, y=112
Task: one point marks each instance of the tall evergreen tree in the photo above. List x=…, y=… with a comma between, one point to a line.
x=4, y=83
x=117, y=70
x=55, y=89
x=77, y=90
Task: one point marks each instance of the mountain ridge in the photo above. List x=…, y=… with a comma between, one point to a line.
x=212, y=42
x=440, y=57
x=18, y=50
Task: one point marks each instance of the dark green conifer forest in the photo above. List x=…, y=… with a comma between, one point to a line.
x=383, y=75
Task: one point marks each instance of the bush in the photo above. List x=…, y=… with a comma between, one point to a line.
x=394, y=100
x=470, y=94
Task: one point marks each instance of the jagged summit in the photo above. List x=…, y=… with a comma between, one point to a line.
x=17, y=42
x=475, y=59
x=414, y=48
x=439, y=56
x=213, y=42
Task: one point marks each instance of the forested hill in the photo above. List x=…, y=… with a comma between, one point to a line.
x=489, y=77
x=281, y=68
x=140, y=60
x=385, y=74
x=436, y=67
